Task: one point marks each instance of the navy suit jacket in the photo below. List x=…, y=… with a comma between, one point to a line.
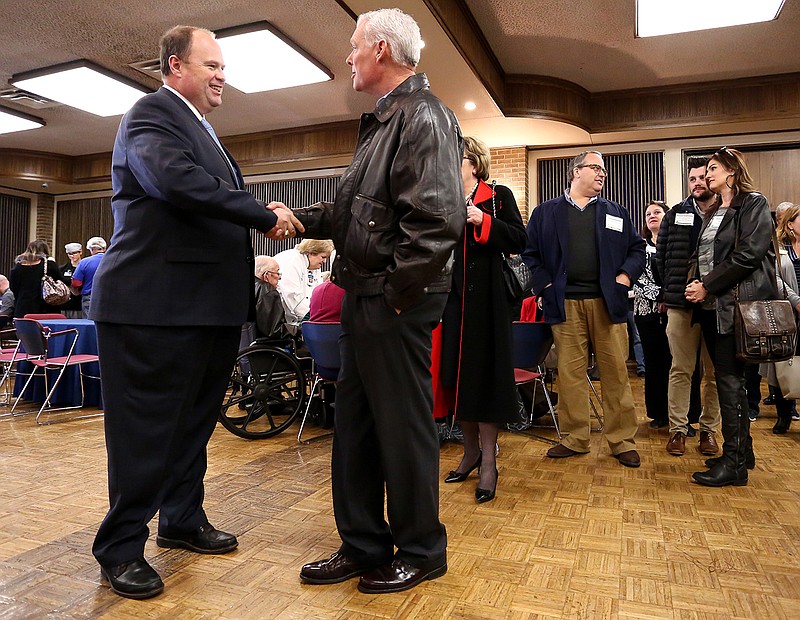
x=618, y=251
x=181, y=251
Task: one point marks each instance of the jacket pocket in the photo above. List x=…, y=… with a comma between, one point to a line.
x=372, y=234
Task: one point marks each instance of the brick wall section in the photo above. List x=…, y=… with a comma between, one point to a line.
x=45, y=219
x=510, y=168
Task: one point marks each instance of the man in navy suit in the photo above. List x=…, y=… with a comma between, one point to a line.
x=584, y=255
x=169, y=299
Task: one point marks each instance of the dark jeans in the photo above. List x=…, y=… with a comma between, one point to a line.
x=730, y=374
x=657, y=360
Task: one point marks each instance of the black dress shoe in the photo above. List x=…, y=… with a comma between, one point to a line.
x=721, y=476
x=334, y=569
x=136, y=579
x=457, y=476
x=396, y=577
x=206, y=539
x=486, y=495
x=749, y=461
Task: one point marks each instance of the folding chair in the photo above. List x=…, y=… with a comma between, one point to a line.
x=10, y=354
x=322, y=340
x=52, y=316
x=531, y=344
x=593, y=390
x=35, y=339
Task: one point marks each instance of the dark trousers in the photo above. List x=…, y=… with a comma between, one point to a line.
x=385, y=436
x=657, y=360
x=162, y=390
x=730, y=374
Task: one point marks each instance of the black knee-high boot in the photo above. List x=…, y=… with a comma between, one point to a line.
x=784, y=408
x=731, y=468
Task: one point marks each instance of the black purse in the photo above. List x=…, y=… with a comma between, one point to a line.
x=517, y=275
x=765, y=329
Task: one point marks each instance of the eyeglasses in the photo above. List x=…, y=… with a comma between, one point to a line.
x=598, y=169
x=727, y=151
x=470, y=159
x=274, y=273
x=73, y=253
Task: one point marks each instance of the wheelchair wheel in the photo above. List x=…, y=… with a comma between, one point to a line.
x=265, y=395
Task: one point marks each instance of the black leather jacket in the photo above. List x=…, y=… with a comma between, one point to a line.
x=743, y=256
x=399, y=207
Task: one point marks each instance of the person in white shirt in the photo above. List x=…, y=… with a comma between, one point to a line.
x=300, y=274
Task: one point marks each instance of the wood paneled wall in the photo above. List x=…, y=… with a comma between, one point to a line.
x=79, y=220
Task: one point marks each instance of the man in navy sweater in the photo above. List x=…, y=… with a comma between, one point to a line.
x=584, y=255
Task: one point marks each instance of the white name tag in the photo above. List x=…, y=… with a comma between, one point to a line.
x=684, y=219
x=716, y=221
x=613, y=222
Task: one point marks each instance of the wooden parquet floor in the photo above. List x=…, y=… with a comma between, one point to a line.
x=574, y=538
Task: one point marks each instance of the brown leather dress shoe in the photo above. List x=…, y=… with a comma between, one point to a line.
x=629, y=458
x=334, y=569
x=136, y=579
x=560, y=451
x=708, y=445
x=396, y=577
x=206, y=539
x=676, y=446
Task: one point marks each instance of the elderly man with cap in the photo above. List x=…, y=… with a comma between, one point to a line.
x=72, y=309
x=84, y=273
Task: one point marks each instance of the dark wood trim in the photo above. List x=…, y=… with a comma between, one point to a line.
x=457, y=21
x=536, y=96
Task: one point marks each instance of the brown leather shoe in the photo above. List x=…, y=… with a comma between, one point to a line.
x=561, y=451
x=676, y=446
x=708, y=445
x=629, y=458
x=396, y=577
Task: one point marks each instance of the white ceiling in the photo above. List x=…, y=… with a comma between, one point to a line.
x=589, y=42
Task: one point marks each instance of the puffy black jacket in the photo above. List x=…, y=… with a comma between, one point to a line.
x=399, y=207
x=675, y=246
x=743, y=256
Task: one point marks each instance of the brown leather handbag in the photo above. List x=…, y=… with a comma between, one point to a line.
x=765, y=329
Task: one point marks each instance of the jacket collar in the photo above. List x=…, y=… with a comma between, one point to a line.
x=388, y=104
x=482, y=193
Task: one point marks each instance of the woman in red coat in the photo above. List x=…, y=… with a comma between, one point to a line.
x=477, y=369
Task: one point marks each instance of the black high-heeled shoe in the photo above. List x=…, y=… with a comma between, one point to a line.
x=782, y=425
x=457, y=476
x=486, y=495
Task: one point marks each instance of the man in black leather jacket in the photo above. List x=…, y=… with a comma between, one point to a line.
x=398, y=213
x=677, y=242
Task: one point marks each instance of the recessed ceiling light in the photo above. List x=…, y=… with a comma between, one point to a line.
x=11, y=121
x=258, y=58
x=84, y=86
x=470, y=105
x=659, y=17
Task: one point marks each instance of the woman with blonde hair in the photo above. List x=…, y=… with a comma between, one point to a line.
x=300, y=273
x=477, y=371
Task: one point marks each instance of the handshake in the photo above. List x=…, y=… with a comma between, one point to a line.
x=287, y=225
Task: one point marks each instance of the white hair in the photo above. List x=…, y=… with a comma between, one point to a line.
x=398, y=29
x=782, y=207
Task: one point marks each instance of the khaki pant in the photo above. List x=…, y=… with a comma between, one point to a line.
x=588, y=321
x=684, y=340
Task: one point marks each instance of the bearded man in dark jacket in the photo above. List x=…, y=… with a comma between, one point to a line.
x=398, y=214
x=677, y=240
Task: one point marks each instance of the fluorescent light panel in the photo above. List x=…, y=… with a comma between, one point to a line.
x=16, y=121
x=259, y=60
x=84, y=88
x=660, y=17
